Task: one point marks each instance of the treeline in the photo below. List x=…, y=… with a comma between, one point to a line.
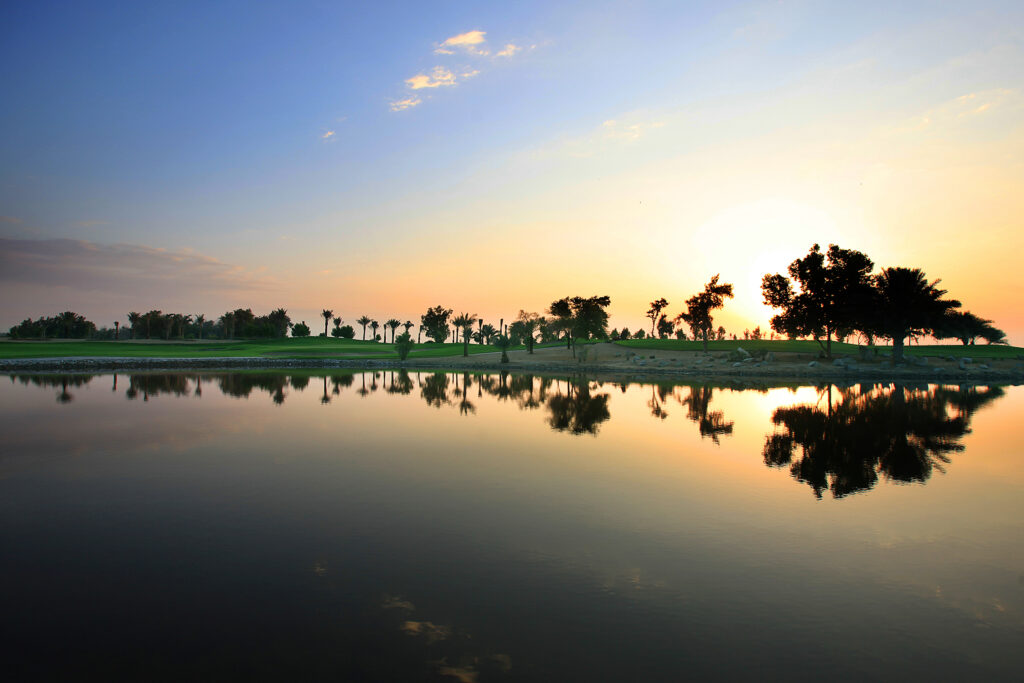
x=239, y=323
x=66, y=325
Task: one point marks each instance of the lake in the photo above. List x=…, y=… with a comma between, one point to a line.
x=425, y=526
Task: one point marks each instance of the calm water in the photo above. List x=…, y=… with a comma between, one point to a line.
x=449, y=527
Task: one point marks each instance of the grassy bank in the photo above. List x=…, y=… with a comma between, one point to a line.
x=301, y=348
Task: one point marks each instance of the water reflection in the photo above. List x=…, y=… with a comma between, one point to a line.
x=844, y=443
x=862, y=433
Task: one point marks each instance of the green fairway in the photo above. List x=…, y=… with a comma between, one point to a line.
x=289, y=348
x=838, y=349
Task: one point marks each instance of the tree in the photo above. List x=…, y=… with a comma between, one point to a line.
x=364, y=321
x=134, y=318
x=699, y=307
x=279, y=321
x=403, y=345
x=336, y=332
x=525, y=327
x=967, y=328
x=435, y=323
x=408, y=325
x=200, y=321
x=657, y=306
x=665, y=327
x=486, y=333
x=464, y=321
x=835, y=293
x=581, y=318
x=374, y=325
x=346, y=332
x=300, y=329
x=227, y=321
x=907, y=304
x=394, y=325
x=503, y=341
x=327, y=315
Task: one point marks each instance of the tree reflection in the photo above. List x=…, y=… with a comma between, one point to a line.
x=434, y=389
x=711, y=423
x=899, y=433
x=577, y=411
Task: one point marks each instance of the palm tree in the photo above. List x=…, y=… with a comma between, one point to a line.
x=337, y=327
x=908, y=305
x=407, y=325
x=465, y=322
x=373, y=326
x=364, y=321
x=200, y=321
x=327, y=314
x=134, y=318
x=183, y=322
x=394, y=325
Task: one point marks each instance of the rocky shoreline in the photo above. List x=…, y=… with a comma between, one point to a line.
x=633, y=368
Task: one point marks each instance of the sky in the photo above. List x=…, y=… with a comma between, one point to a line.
x=382, y=158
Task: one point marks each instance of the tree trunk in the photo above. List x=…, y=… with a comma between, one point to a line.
x=897, y=349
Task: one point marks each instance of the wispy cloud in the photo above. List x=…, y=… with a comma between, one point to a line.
x=90, y=224
x=148, y=271
x=470, y=41
x=11, y=220
x=407, y=103
x=967, y=107
x=437, y=78
x=326, y=136
x=509, y=50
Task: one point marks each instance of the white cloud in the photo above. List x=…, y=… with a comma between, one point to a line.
x=407, y=103
x=437, y=78
x=509, y=50
x=470, y=41
x=327, y=135
x=469, y=74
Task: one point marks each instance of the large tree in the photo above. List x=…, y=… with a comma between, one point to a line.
x=657, y=306
x=464, y=321
x=699, y=306
x=525, y=328
x=580, y=318
x=835, y=295
x=908, y=305
x=435, y=323
x=134, y=318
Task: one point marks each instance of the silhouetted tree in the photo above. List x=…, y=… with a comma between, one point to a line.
x=907, y=304
x=578, y=412
x=300, y=329
x=835, y=293
x=657, y=306
x=525, y=328
x=134, y=319
x=327, y=315
x=364, y=321
x=464, y=322
x=392, y=324
x=435, y=323
x=374, y=325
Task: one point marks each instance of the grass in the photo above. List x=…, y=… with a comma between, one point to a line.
x=290, y=348
x=318, y=347
x=838, y=349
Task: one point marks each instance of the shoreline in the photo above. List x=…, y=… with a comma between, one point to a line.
x=781, y=372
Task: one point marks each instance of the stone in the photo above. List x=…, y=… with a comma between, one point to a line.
x=813, y=364
x=769, y=357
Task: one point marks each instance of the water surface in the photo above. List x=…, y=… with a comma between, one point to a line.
x=457, y=527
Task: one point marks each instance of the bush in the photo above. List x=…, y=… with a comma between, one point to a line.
x=300, y=329
x=403, y=345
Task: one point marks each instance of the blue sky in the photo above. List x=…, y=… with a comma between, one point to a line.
x=268, y=140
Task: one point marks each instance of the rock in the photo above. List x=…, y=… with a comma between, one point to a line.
x=839, y=362
x=748, y=360
x=966, y=359
x=983, y=366
x=739, y=354
x=769, y=357
x=813, y=364
x=737, y=365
